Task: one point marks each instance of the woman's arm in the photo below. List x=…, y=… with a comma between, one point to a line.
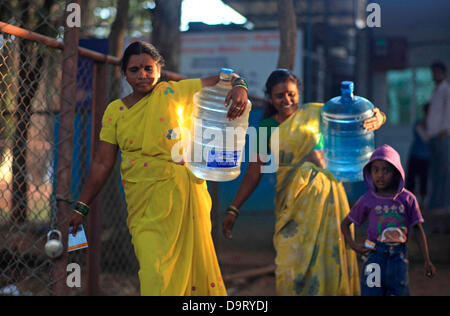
x=101, y=167
x=248, y=185
x=237, y=96
x=210, y=81
x=376, y=121
x=316, y=157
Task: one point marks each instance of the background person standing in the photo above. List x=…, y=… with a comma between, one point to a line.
x=419, y=160
x=438, y=127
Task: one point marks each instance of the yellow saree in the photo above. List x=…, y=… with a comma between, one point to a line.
x=310, y=204
x=168, y=207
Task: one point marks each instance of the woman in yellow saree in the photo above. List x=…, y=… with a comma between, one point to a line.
x=168, y=207
x=311, y=256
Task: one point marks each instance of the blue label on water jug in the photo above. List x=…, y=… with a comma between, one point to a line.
x=223, y=158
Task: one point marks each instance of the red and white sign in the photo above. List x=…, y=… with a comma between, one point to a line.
x=251, y=54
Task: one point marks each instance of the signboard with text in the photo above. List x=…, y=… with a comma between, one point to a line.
x=252, y=54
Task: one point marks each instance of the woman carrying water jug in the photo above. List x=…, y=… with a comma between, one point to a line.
x=310, y=203
x=168, y=207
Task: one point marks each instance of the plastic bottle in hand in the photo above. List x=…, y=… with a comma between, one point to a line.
x=347, y=144
x=216, y=147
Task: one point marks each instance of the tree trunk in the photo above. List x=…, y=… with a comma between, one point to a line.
x=288, y=34
x=87, y=18
x=116, y=36
x=28, y=81
x=166, y=19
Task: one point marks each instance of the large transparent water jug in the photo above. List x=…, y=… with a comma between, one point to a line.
x=217, y=144
x=347, y=144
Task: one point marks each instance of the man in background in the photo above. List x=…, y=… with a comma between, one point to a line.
x=438, y=128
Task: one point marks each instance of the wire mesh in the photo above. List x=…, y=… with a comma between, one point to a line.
x=30, y=161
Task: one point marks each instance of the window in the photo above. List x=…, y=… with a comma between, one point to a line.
x=408, y=91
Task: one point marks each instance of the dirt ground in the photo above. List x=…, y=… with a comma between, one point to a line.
x=235, y=261
x=242, y=261
x=264, y=285
x=235, y=264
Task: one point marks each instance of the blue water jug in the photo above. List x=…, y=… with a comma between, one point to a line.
x=216, y=148
x=347, y=144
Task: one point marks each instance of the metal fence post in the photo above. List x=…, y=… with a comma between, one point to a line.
x=95, y=223
x=68, y=99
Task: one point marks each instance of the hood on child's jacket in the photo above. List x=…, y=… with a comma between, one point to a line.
x=389, y=154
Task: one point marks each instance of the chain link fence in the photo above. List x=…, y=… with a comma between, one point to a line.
x=48, y=128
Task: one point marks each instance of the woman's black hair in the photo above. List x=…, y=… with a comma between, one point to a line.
x=137, y=48
x=278, y=76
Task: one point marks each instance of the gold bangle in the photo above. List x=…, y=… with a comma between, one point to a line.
x=240, y=85
x=233, y=211
x=79, y=213
x=83, y=203
x=82, y=208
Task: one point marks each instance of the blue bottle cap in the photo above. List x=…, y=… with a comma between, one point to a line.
x=347, y=86
x=227, y=70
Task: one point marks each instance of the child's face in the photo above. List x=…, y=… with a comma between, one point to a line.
x=382, y=174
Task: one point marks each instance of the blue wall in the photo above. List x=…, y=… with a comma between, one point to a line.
x=262, y=198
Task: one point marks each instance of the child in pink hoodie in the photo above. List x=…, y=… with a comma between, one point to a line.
x=391, y=210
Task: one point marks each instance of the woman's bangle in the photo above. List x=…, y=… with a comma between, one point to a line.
x=241, y=85
x=233, y=211
x=239, y=82
x=81, y=208
x=238, y=79
x=79, y=213
x=384, y=117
